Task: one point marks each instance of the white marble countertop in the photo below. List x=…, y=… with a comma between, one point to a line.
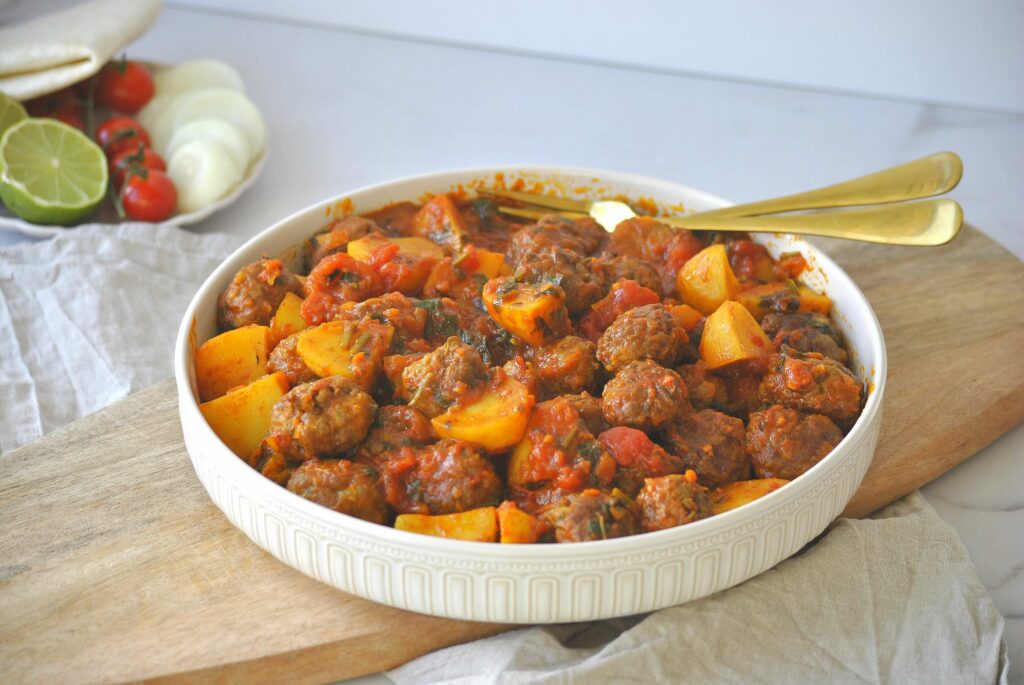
x=344, y=110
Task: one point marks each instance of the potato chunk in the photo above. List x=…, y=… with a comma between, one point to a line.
x=738, y=493
x=517, y=527
x=287, y=320
x=707, y=279
x=235, y=358
x=439, y=221
x=533, y=312
x=732, y=335
x=404, y=264
x=241, y=418
x=495, y=420
x=351, y=349
x=475, y=525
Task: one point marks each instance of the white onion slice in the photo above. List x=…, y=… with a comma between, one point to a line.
x=203, y=171
x=217, y=130
x=228, y=105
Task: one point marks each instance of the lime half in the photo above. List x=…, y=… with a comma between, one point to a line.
x=50, y=173
x=11, y=112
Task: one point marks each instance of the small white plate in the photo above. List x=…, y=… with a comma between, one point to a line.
x=107, y=216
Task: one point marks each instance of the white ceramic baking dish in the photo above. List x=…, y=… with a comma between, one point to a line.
x=530, y=583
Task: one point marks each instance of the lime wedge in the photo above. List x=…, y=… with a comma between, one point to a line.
x=11, y=112
x=50, y=173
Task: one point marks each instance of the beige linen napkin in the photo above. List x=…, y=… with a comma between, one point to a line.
x=891, y=599
x=90, y=316
x=62, y=48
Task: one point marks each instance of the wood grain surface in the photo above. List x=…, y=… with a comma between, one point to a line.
x=115, y=566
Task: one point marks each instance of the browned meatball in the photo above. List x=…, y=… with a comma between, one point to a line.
x=402, y=313
x=712, y=444
x=637, y=458
x=436, y=381
x=574, y=274
x=647, y=332
x=590, y=411
x=286, y=359
x=567, y=367
x=336, y=237
x=323, y=418
x=443, y=478
x=805, y=332
x=584, y=236
x=783, y=443
x=644, y=395
x=706, y=390
x=593, y=515
x=671, y=501
x=812, y=382
x=342, y=486
x=255, y=293
x=615, y=268
x=775, y=322
x=395, y=427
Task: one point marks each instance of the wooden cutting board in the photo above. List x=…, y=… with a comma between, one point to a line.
x=114, y=564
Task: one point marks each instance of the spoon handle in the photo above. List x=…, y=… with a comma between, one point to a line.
x=924, y=177
x=931, y=222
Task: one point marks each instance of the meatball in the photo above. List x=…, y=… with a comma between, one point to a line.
x=286, y=359
x=342, y=486
x=812, y=382
x=637, y=458
x=783, y=443
x=705, y=390
x=575, y=275
x=590, y=411
x=322, y=418
x=644, y=395
x=255, y=293
x=774, y=323
x=671, y=501
x=444, y=478
x=810, y=340
x=646, y=332
x=593, y=515
x=395, y=427
x=712, y=444
x=567, y=367
x=337, y=236
x=584, y=236
x=403, y=314
x=617, y=268
x=436, y=381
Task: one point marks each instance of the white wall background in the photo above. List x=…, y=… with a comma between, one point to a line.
x=959, y=52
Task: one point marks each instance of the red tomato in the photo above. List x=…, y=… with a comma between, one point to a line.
x=121, y=133
x=124, y=86
x=139, y=158
x=148, y=196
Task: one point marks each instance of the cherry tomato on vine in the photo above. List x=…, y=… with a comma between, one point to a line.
x=124, y=86
x=139, y=158
x=121, y=133
x=148, y=195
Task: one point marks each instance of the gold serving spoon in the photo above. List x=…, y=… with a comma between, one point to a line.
x=932, y=222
